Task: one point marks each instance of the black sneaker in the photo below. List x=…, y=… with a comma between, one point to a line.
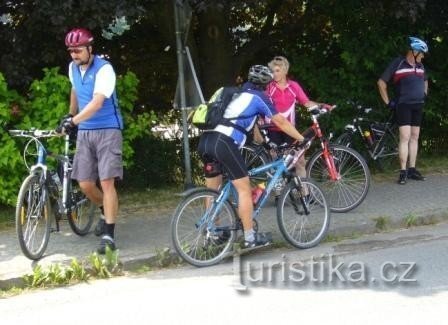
x=221, y=237
x=415, y=175
x=106, y=241
x=261, y=239
x=100, y=227
x=403, y=177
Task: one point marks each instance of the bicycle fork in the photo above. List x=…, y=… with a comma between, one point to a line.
x=298, y=184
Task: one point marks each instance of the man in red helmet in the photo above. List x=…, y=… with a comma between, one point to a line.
x=94, y=111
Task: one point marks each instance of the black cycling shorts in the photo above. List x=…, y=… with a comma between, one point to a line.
x=215, y=146
x=409, y=114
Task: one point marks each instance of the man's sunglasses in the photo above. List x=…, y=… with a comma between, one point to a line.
x=75, y=50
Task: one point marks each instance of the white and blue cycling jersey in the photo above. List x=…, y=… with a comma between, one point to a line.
x=243, y=111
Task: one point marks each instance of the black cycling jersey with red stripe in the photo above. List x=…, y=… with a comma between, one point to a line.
x=409, y=80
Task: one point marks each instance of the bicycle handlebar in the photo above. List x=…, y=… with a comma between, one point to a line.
x=35, y=133
x=320, y=109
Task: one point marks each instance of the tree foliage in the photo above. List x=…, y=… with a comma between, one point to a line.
x=337, y=48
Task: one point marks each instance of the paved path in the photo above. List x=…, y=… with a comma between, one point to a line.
x=140, y=235
x=388, y=278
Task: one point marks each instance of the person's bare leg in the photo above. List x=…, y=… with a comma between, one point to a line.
x=92, y=192
x=413, y=145
x=300, y=167
x=403, y=148
x=110, y=200
x=301, y=172
x=213, y=182
x=245, y=207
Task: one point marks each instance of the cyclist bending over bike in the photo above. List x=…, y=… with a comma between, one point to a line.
x=219, y=148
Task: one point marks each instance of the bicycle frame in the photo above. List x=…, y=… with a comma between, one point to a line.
x=228, y=190
x=64, y=205
x=324, y=143
x=374, y=151
x=315, y=132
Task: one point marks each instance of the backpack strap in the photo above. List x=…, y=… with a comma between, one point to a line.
x=227, y=122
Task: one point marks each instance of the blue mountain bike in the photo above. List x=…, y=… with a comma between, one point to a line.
x=205, y=224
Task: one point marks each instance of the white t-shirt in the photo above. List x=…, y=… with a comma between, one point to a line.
x=104, y=81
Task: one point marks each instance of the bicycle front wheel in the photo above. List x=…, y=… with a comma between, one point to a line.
x=81, y=216
x=201, y=234
x=33, y=216
x=303, y=214
x=255, y=156
x=347, y=192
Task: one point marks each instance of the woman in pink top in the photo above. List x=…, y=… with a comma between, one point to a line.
x=285, y=94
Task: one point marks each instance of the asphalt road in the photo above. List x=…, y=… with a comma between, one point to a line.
x=390, y=278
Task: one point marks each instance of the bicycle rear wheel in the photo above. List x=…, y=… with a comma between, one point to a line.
x=345, y=139
x=194, y=239
x=33, y=216
x=82, y=212
x=303, y=214
x=347, y=192
x=387, y=156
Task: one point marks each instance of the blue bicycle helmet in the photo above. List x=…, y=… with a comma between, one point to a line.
x=418, y=45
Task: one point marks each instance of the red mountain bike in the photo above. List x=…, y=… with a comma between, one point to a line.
x=341, y=172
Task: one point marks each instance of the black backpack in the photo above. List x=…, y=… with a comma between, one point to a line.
x=208, y=116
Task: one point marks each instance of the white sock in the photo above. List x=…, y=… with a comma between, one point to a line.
x=249, y=235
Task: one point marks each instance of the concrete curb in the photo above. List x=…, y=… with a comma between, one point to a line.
x=153, y=260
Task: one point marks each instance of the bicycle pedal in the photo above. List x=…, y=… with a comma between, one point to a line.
x=244, y=250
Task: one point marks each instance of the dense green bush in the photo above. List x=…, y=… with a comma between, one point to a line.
x=46, y=102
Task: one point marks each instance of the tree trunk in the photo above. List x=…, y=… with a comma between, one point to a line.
x=215, y=49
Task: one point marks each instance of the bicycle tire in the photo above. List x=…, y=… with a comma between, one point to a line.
x=351, y=189
x=31, y=215
x=256, y=156
x=388, y=154
x=211, y=244
x=345, y=139
x=319, y=214
x=82, y=213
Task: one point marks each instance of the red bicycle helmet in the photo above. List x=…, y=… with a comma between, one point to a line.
x=78, y=37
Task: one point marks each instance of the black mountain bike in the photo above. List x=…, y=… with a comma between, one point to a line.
x=379, y=139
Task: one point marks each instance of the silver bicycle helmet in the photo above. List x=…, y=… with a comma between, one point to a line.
x=260, y=74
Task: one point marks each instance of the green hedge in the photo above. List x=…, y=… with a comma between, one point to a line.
x=45, y=103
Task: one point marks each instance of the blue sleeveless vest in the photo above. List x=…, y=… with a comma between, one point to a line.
x=109, y=115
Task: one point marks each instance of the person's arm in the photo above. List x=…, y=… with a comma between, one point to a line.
x=73, y=103
x=382, y=87
x=385, y=77
x=301, y=97
x=91, y=108
x=426, y=87
x=283, y=124
x=73, y=108
x=310, y=103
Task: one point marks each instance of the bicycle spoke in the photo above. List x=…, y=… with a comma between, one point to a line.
x=200, y=244
x=350, y=189
x=301, y=229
